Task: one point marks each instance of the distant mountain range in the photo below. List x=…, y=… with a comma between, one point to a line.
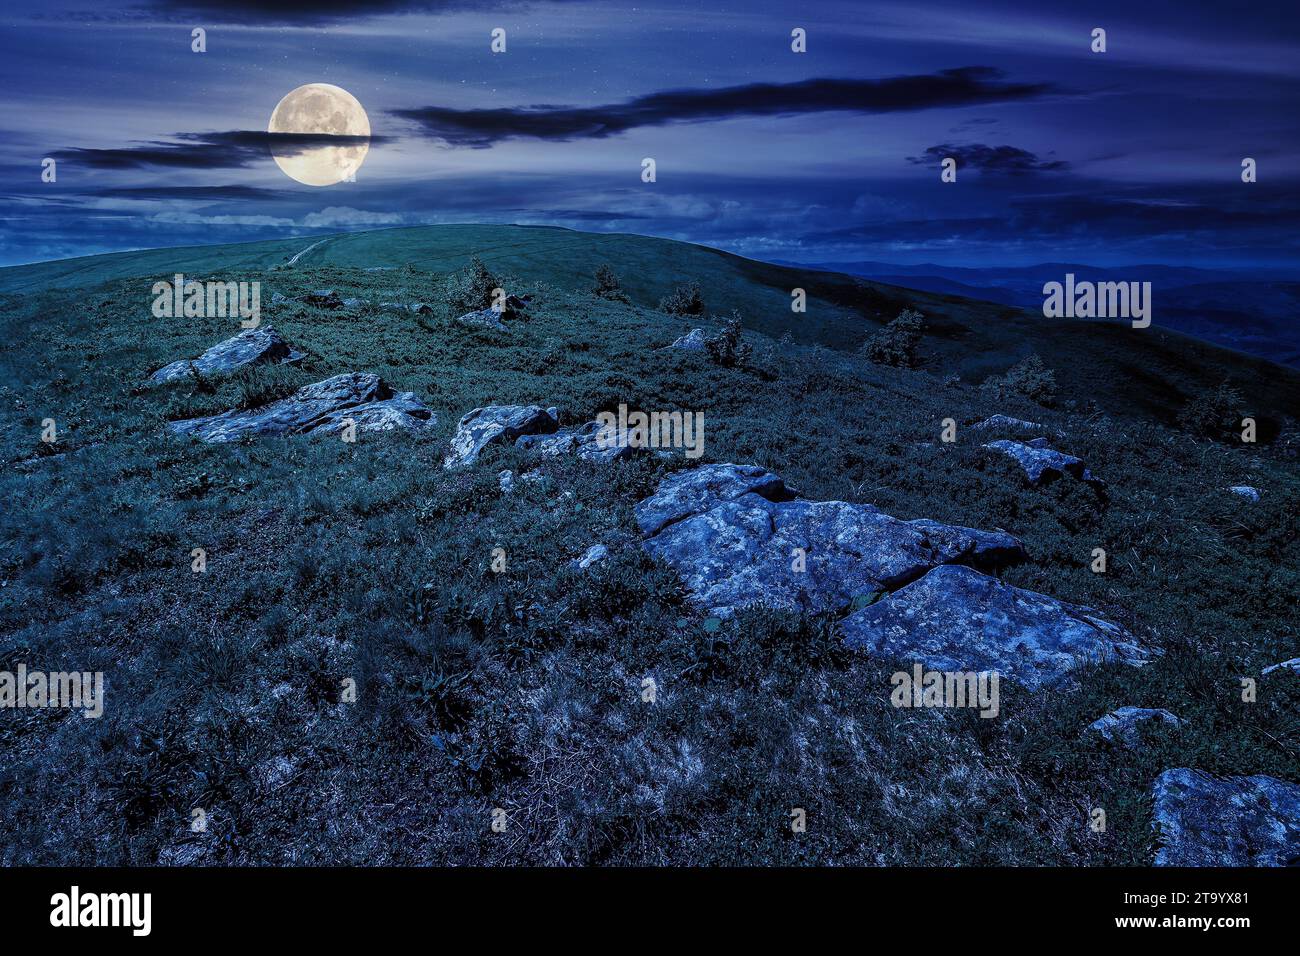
x=1253, y=312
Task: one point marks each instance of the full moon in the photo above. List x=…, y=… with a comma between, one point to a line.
x=320, y=108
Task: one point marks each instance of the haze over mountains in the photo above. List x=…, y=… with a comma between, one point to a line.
x=1252, y=311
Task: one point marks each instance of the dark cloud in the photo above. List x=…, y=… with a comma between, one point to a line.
x=233, y=149
x=197, y=193
x=1011, y=160
x=964, y=86
x=297, y=13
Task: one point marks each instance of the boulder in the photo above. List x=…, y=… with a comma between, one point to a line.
x=691, y=492
x=260, y=346
x=1121, y=726
x=584, y=441
x=812, y=556
x=956, y=619
x=1008, y=424
x=1293, y=665
x=488, y=317
x=321, y=407
x=498, y=424
x=323, y=299
x=692, y=341
x=1202, y=820
x=597, y=552
x=1041, y=463
x=1245, y=491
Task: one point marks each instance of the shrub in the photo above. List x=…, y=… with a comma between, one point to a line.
x=896, y=343
x=1029, y=378
x=608, y=285
x=1213, y=413
x=684, y=300
x=470, y=289
x=727, y=347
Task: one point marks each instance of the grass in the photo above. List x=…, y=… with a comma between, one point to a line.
x=333, y=566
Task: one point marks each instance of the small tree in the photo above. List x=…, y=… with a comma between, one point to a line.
x=896, y=343
x=1213, y=413
x=470, y=289
x=684, y=300
x=1030, y=378
x=608, y=285
x=727, y=348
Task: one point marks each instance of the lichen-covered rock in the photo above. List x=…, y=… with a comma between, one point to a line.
x=1041, y=463
x=1007, y=423
x=496, y=424
x=260, y=346
x=585, y=441
x=956, y=619
x=691, y=492
x=1292, y=665
x=1238, y=821
x=692, y=341
x=1121, y=726
x=323, y=299
x=1245, y=491
x=597, y=552
x=810, y=556
x=325, y=406
x=488, y=317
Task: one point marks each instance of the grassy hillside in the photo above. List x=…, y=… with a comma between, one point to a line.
x=522, y=690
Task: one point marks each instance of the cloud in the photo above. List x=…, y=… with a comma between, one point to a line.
x=333, y=216
x=234, y=149
x=1011, y=160
x=296, y=13
x=481, y=128
x=196, y=193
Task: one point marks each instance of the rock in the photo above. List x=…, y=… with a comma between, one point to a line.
x=278, y=298
x=1121, y=726
x=488, y=317
x=955, y=618
x=354, y=303
x=585, y=441
x=1007, y=423
x=496, y=424
x=258, y=346
x=323, y=299
x=692, y=341
x=1292, y=665
x=1245, y=491
x=321, y=407
x=507, y=481
x=421, y=308
x=812, y=556
x=1041, y=463
x=1237, y=821
x=691, y=492
x=597, y=552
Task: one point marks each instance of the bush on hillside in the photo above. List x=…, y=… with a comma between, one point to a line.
x=470, y=289
x=684, y=300
x=895, y=345
x=1029, y=378
x=1213, y=413
x=728, y=348
x=608, y=285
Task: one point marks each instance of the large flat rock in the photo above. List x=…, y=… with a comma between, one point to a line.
x=1041, y=463
x=496, y=424
x=957, y=619
x=323, y=406
x=696, y=490
x=1237, y=821
x=810, y=556
x=585, y=441
x=260, y=346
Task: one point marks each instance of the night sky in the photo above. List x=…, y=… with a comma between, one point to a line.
x=1065, y=155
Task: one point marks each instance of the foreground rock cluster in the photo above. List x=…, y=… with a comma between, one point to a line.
x=356, y=398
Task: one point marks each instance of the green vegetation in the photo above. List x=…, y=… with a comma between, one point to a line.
x=523, y=690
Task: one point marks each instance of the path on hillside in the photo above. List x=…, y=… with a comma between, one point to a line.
x=293, y=261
